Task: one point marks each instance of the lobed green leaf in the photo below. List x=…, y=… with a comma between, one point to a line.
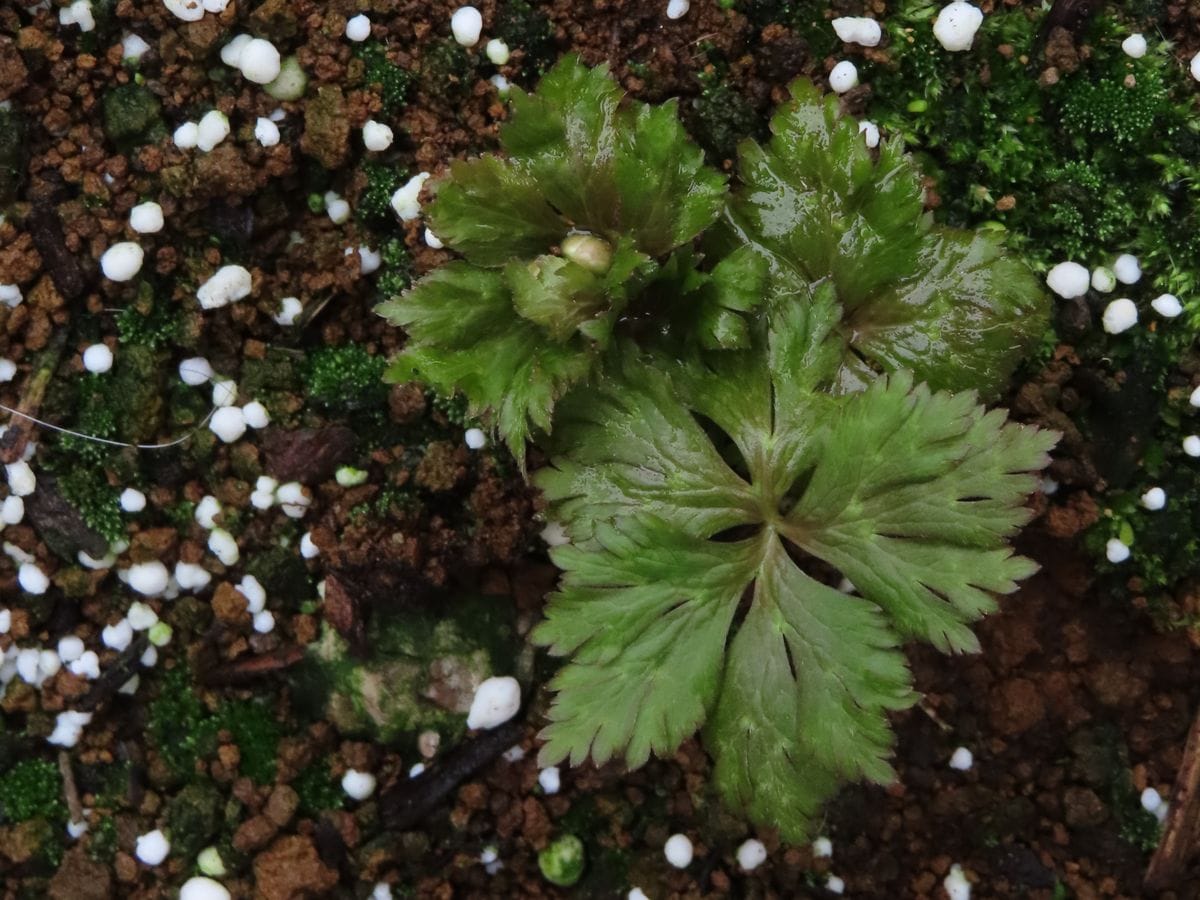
x=947, y=305
x=697, y=489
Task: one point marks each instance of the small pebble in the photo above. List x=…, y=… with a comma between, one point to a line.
x=337, y=208
x=678, y=851
x=1127, y=269
x=751, y=854
x=132, y=500
x=266, y=132
x=70, y=648
x=195, y=371
x=198, y=887
x=98, y=359
x=1120, y=315
x=308, y=549
x=405, y=201
x=843, y=77
x=152, y=848
x=1069, y=280
x=369, y=260
x=495, y=702
x=185, y=10
x=858, y=30
x=1151, y=800
x=146, y=218
x=133, y=48
x=358, y=785
x=231, y=53
x=191, y=577
x=956, y=884
x=117, y=636
x=69, y=725
x=677, y=9
x=227, y=285
x=12, y=510
x=956, y=26
x=871, y=132
x=497, y=51
x=962, y=759
x=550, y=780
x=223, y=546
x=207, y=510
x=149, y=579
x=210, y=863
x=260, y=61
x=466, y=24
x=1134, y=46
x=228, y=423
x=256, y=415
x=1167, y=306
x=377, y=136
x=1104, y=280
x=358, y=28
x=21, y=480
x=78, y=13
x=256, y=595
x=211, y=130
x=32, y=579
x=289, y=309
x=122, y=261
x=141, y=616
x=87, y=666
x=186, y=135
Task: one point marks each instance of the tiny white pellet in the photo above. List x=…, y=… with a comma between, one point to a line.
x=843, y=77
x=677, y=9
x=358, y=28
x=679, y=851
x=466, y=23
x=146, y=218
x=98, y=359
x=377, y=136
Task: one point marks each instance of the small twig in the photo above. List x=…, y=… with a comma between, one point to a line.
x=12, y=445
x=112, y=678
x=70, y=791
x=251, y=668
x=1177, y=846
x=409, y=802
x=926, y=708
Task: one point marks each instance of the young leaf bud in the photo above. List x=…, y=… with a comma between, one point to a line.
x=589, y=251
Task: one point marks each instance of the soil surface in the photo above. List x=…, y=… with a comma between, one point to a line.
x=1075, y=705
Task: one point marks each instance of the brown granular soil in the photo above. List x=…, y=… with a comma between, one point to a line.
x=1073, y=707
